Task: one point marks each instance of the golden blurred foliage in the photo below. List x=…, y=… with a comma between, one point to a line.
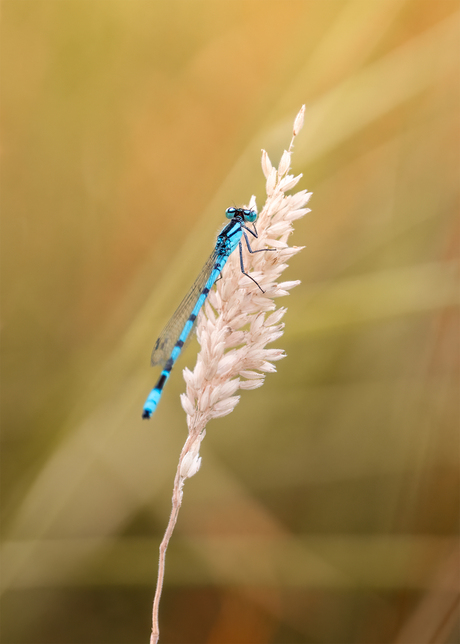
x=327, y=506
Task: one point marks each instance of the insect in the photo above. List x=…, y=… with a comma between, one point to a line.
x=175, y=334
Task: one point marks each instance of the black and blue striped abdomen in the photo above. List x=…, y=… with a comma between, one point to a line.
x=184, y=318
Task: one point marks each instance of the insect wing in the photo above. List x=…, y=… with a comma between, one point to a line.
x=171, y=333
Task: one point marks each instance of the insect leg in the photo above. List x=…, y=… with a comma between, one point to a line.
x=242, y=264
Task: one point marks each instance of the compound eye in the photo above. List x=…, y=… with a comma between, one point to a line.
x=249, y=215
x=230, y=213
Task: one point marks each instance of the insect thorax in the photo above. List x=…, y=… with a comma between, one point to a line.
x=229, y=238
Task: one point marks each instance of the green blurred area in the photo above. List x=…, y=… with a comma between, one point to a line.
x=326, y=509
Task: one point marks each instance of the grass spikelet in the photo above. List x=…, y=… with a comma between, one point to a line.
x=236, y=324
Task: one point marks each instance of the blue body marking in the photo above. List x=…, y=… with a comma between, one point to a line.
x=175, y=334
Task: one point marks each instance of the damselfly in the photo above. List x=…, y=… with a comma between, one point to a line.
x=171, y=341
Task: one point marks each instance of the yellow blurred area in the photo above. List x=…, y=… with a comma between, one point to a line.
x=326, y=509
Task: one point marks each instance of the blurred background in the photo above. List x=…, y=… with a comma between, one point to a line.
x=326, y=508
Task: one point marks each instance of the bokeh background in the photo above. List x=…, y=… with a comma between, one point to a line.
x=326, y=509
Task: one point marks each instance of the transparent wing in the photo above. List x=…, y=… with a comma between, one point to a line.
x=170, y=334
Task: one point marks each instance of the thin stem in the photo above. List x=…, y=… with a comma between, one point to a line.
x=176, y=503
